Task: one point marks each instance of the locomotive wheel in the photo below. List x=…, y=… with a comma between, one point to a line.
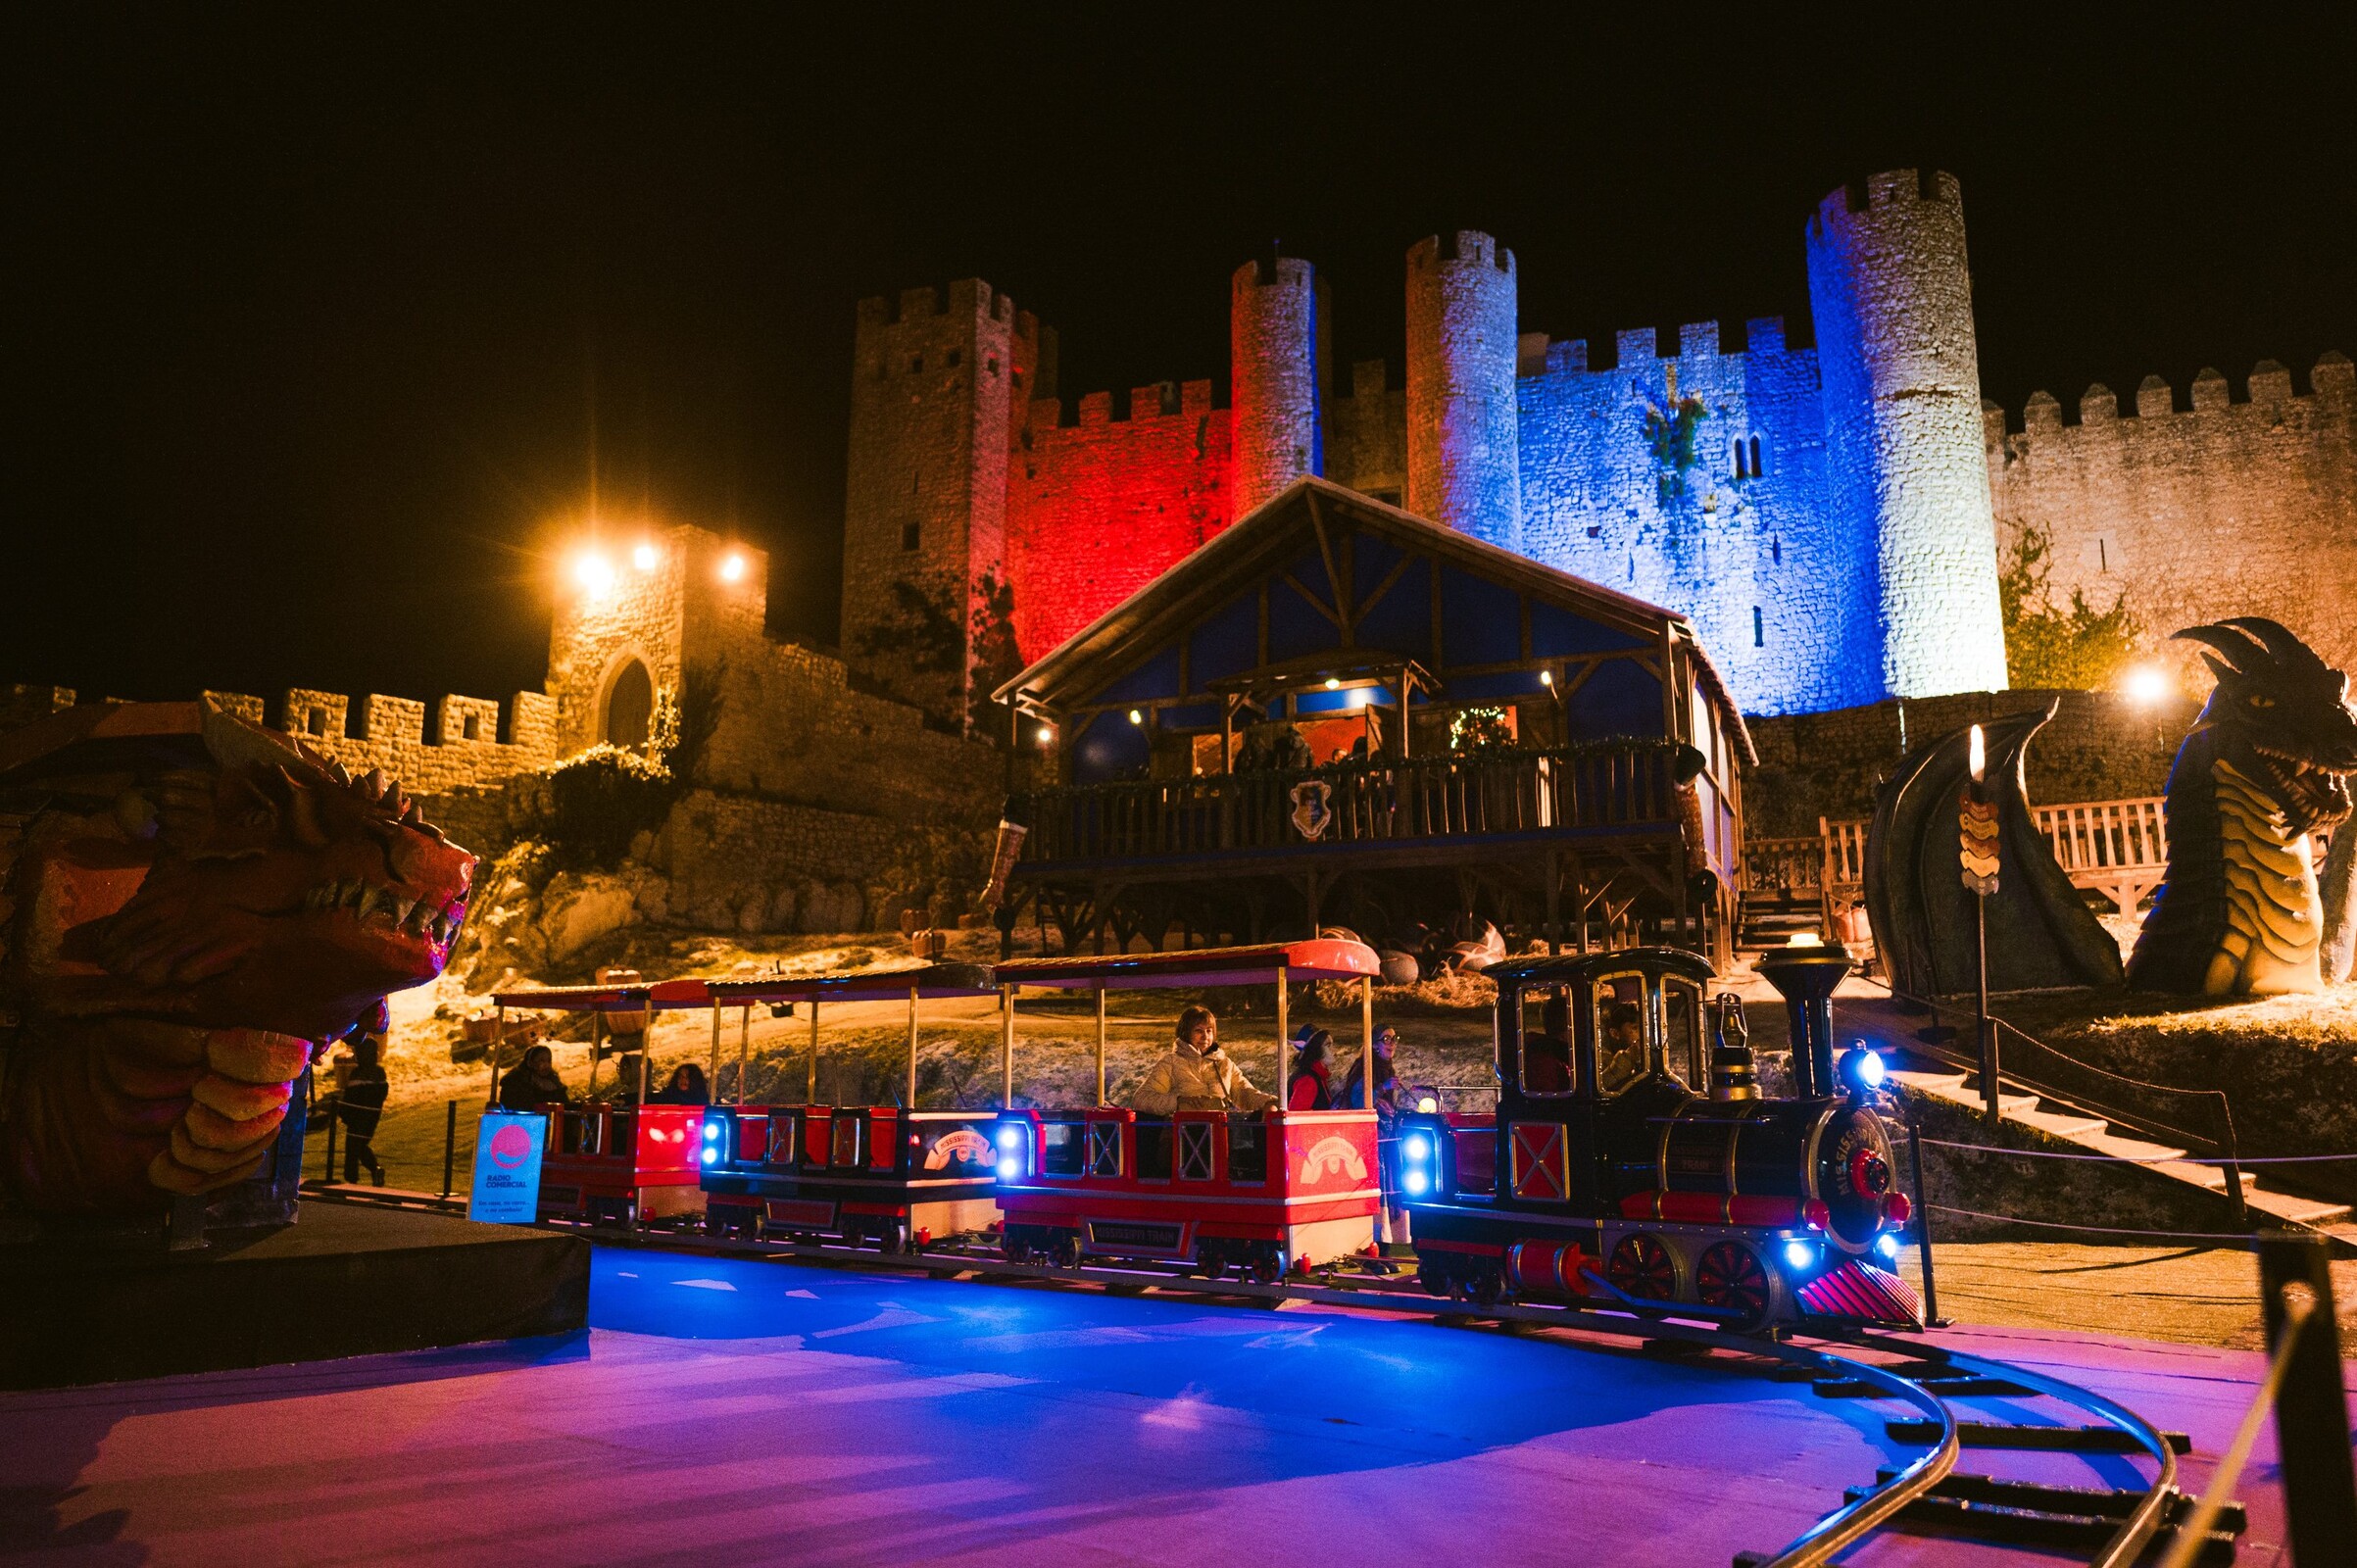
x=1265, y=1269
x=1065, y=1253
x=1728, y=1276
x=889, y=1236
x=1016, y=1251
x=1642, y=1267
x=1434, y=1279
x=1485, y=1287
x=1210, y=1262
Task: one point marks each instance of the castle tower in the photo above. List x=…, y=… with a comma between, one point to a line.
x=939, y=389
x=1906, y=472
x=1278, y=368
x=1463, y=459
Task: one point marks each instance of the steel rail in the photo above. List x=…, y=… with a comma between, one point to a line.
x=1836, y=1530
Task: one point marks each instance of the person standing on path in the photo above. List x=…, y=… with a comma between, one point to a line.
x=360, y=1106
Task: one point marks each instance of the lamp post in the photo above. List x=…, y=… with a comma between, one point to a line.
x=1976, y=826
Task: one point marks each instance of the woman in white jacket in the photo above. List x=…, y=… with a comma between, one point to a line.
x=1198, y=1075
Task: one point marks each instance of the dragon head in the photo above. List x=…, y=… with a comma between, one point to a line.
x=258, y=886
x=2282, y=716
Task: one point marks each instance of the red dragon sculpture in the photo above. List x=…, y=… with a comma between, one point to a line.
x=193, y=907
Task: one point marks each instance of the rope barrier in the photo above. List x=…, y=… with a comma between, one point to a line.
x=2193, y=1529
x=2243, y=1237
x=2146, y=1159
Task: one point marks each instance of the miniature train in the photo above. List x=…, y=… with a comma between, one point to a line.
x=1639, y=1172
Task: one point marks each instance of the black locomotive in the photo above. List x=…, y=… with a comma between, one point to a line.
x=1632, y=1164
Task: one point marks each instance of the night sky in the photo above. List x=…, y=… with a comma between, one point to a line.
x=315, y=317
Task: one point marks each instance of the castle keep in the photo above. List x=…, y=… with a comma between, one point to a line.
x=1827, y=516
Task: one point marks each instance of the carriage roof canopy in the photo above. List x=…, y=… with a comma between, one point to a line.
x=1324, y=585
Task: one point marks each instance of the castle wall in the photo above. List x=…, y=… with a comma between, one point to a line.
x=1366, y=435
x=390, y=733
x=1891, y=295
x=1744, y=544
x=1099, y=508
x=1461, y=406
x=1277, y=337
x=937, y=400
x=2218, y=509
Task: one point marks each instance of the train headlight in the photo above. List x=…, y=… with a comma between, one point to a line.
x=1010, y=1168
x=1800, y=1254
x=1415, y=1181
x=711, y=1154
x=711, y=1132
x=1887, y=1244
x=1417, y=1149
x=1008, y=1137
x=1863, y=1069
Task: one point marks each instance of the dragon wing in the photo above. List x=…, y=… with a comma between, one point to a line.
x=2041, y=934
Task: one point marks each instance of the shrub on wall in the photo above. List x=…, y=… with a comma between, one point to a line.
x=589, y=807
x=2053, y=647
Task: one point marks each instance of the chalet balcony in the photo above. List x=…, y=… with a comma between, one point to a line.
x=1598, y=789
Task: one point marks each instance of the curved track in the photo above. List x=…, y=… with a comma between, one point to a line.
x=2106, y=1528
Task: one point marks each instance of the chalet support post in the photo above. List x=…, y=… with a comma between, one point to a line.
x=1101, y=1046
x=1006, y=1048
x=1553, y=872
x=1404, y=726
x=1310, y=887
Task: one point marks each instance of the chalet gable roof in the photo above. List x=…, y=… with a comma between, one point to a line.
x=1275, y=533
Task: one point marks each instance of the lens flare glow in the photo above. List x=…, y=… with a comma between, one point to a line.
x=1418, y=1147
x=644, y=558
x=1798, y=1255
x=1888, y=1246
x=594, y=572
x=732, y=568
x=1010, y=1168
x=1416, y=1182
x=711, y=1156
x=711, y=1132
x=2146, y=685
x=1008, y=1137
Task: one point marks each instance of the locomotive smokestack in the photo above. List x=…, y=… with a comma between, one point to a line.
x=1805, y=978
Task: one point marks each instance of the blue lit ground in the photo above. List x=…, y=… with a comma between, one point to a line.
x=731, y=1411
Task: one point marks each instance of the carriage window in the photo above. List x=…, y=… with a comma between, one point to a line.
x=1548, y=1064
x=847, y=1140
x=1248, y=1150
x=1620, y=1033
x=1059, y=1149
x=1195, y=1152
x=1105, y=1148
x=1681, y=1032
x=781, y=1141
x=1154, y=1151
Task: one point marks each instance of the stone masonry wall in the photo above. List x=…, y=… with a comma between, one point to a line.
x=2193, y=513
x=1101, y=508
x=2097, y=747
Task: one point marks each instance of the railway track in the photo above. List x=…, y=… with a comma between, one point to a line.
x=1954, y=1401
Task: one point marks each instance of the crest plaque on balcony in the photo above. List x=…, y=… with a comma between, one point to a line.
x=1310, y=812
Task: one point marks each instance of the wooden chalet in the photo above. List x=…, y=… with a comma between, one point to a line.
x=1336, y=712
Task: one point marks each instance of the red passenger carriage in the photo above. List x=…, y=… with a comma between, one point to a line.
x=615, y=1160
x=1206, y=1190
x=892, y=1175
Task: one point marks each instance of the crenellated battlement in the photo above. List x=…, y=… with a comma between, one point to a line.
x=1158, y=400
x=2331, y=385
x=477, y=740
x=1290, y=272
x=966, y=297
x=1462, y=247
x=1896, y=188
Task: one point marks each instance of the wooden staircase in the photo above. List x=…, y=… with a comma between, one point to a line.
x=2083, y=1127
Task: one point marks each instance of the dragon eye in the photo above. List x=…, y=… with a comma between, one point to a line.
x=2257, y=701
x=258, y=819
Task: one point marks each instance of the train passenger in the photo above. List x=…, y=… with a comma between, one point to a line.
x=1390, y=1092
x=1620, y=1047
x=1198, y=1075
x=1546, y=1054
x=533, y=1083
x=685, y=1087
x=1311, y=1084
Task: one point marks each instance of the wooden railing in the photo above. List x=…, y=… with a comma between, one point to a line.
x=1784, y=871
x=1572, y=788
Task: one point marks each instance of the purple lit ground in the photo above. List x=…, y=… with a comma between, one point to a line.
x=732, y=1411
